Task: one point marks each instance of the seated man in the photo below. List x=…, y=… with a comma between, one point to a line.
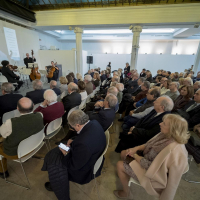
x=50, y=108
x=37, y=94
x=191, y=111
x=173, y=93
x=8, y=101
x=135, y=115
x=72, y=99
x=88, y=84
x=77, y=164
x=16, y=129
x=147, y=127
x=53, y=85
x=106, y=115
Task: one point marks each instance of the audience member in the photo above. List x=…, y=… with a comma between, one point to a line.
x=149, y=77
x=69, y=79
x=188, y=81
x=79, y=77
x=8, y=101
x=173, y=92
x=181, y=82
x=88, y=84
x=77, y=164
x=143, y=73
x=126, y=69
x=163, y=161
x=16, y=129
x=73, y=77
x=196, y=86
x=53, y=85
x=37, y=94
x=120, y=88
x=103, y=76
x=50, y=108
x=82, y=91
x=147, y=127
x=63, y=84
x=165, y=87
x=96, y=79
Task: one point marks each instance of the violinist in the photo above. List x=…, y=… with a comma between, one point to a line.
x=7, y=71
x=29, y=60
x=52, y=72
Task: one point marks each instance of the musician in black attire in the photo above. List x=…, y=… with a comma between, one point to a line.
x=29, y=60
x=10, y=75
x=55, y=73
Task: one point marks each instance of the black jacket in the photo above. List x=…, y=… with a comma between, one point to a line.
x=8, y=102
x=9, y=74
x=142, y=74
x=30, y=60
x=84, y=152
x=57, y=91
x=36, y=96
x=105, y=117
x=103, y=77
x=132, y=87
x=70, y=101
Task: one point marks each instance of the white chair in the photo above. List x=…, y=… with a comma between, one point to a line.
x=71, y=110
x=11, y=114
x=88, y=98
x=100, y=160
x=63, y=95
x=27, y=148
x=104, y=82
x=92, y=94
x=109, y=133
x=3, y=79
x=53, y=128
x=36, y=106
x=58, y=98
x=83, y=104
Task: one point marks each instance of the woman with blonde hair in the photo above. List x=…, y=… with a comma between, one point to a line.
x=96, y=79
x=159, y=164
x=63, y=84
x=181, y=82
x=79, y=77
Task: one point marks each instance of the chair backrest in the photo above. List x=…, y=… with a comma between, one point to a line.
x=99, y=161
x=11, y=114
x=88, y=98
x=103, y=83
x=58, y=98
x=3, y=79
x=73, y=109
x=109, y=126
x=53, y=126
x=82, y=105
x=29, y=144
x=63, y=95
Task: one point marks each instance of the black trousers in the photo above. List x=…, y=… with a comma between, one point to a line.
x=20, y=83
x=129, y=108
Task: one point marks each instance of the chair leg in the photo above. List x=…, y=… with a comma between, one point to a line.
x=3, y=168
x=46, y=145
x=96, y=187
x=49, y=144
x=63, y=130
x=25, y=175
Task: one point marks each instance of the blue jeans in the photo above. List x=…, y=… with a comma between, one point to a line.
x=129, y=121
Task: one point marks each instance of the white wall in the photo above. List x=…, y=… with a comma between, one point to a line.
x=64, y=57
x=85, y=65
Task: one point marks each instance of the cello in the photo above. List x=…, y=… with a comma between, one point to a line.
x=34, y=72
x=51, y=71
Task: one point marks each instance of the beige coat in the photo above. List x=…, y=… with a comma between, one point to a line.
x=89, y=88
x=164, y=174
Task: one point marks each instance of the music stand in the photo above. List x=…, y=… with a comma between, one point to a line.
x=31, y=65
x=44, y=73
x=26, y=72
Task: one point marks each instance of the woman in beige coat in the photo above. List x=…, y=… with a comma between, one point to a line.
x=162, y=164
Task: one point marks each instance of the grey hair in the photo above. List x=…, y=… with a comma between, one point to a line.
x=142, y=79
x=112, y=90
x=37, y=84
x=120, y=87
x=7, y=87
x=116, y=78
x=78, y=117
x=112, y=100
x=50, y=96
x=79, y=76
x=113, y=83
x=146, y=84
x=53, y=83
x=177, y=84
x=198, y=82
x=88, y=77
x=73, y=87
x=136, y=74
x=115, y=73
x=167, y=103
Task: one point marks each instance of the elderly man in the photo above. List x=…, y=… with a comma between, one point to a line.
x=191, y=111
x=37, y=94
x=187, y=81
x=16, y=129
x=8, y=101
x=88, y=84
x=50, y=108
x=106, y=115
x=147, y=127
x=196, y=86
x=29, y=60
x=53, y=85
x=173, y=93
x=77, y=164
x=72, y=100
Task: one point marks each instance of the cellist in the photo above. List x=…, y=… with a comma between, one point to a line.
x=55, y=70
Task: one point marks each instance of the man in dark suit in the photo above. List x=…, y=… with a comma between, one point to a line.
x=37, y=95
x=72, y=100
x=106, y=115
x=127, y=69
x=147, y=127
x=29, y=60
x=8, y=101
x=143, y=73
x=77, y=164
x=103, y=76
x=53, y=85
x=191, y=111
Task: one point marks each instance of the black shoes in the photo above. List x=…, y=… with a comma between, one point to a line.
x=48, y=186
x=2, y=175
x=121, y=120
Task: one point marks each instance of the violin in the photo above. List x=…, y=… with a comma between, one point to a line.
x=13, y=68
x=34, y=71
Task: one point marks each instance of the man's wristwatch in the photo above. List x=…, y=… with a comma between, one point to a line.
x=66, y=153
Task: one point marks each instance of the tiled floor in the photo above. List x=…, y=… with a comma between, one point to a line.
x=107, y=182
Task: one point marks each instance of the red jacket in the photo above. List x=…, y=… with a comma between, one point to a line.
x=51, y=112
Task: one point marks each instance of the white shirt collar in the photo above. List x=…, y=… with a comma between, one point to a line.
x=26, y=113
x=83, y=127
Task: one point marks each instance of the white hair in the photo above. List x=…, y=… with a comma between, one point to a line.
x=50, y=96
x=88, y=77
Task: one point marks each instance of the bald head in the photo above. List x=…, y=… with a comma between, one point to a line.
x=163, y=104
x=25, y=105
x=53, y=84
x=112, y=90
x=72, y=87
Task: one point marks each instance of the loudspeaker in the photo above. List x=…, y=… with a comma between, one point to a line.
x=89, y=59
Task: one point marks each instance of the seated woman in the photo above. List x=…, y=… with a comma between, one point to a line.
x=82, y=91
x=63, y=84
x=165, y=87
x=161, y=163
x=79, y=77
x=186, y=94
x=149, y=76
x=96, y=79
x=69, y=79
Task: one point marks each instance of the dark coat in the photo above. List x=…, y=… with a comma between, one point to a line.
x=132, y=87
x=75, y=81
x=30, y=60
x=57, y=91
x=103, y=77
x=142, y=74
x=9, y=74
x=36, y=96
x=105, y=117
x=8, y=102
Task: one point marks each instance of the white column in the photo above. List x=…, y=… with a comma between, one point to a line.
x=135, y=45
x=79, y=57
x=197, y=61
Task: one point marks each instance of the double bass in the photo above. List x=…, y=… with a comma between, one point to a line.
x=34, y=72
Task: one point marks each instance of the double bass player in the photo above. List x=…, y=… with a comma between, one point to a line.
x=29, y=60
